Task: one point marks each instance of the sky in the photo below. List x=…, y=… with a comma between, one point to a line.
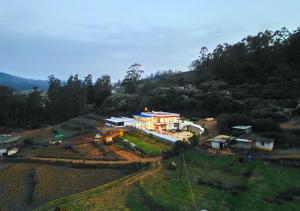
x=67, y=37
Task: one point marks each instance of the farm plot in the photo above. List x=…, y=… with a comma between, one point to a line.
x=25, y=186
x=149, y=145
x=80, y=151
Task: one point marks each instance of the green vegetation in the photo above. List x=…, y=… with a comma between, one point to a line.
x=149, y=145
x=220, y=183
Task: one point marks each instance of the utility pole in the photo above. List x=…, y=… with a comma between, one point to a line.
x=181, y=160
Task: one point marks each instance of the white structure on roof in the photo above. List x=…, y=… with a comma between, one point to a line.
x=120, y=122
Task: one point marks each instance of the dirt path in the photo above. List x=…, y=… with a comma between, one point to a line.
x=285, y=153
x=131, y=156
x=85, y=161
x=92, y=151
x=127, y=155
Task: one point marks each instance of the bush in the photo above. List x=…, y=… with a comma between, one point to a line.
x=226, y=121
x=277, y=116
x=28, y=141
x=279, y=137
x=265, y=125
x=177, y=148
x=194, y=140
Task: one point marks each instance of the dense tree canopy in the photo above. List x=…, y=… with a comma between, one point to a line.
x=253, y=58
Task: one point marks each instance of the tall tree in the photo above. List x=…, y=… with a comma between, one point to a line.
x=89, y=89
x=103, y=89
x=54, y=98
x=133, y=75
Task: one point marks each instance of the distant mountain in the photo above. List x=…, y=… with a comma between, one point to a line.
x=19, y=83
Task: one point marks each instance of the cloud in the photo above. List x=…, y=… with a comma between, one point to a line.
x=39, y=39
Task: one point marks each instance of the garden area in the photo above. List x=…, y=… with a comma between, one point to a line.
x=148, y=145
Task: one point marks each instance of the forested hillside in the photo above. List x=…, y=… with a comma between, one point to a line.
x=19, y=83
x=254, y=81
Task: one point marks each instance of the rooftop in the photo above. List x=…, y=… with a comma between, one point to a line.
x=254, y=137
x=243, y=140
x=142, y=115
x=119, y=119
x=242, y=127
x=159, y=114
x=221, y=138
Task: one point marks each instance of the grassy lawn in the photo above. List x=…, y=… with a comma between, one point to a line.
x=149, y=145
x=219, y=183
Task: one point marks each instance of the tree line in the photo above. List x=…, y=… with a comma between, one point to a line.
x=254, y=58
x=268, y=60
x=63, y=100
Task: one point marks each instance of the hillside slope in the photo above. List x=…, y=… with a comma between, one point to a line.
x=20, y=83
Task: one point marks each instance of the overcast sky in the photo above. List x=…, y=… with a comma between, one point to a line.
x=64, y=37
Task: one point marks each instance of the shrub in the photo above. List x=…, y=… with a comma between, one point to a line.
x=265, y=125
x=226, y=121
x=279, y=137
x=177, y=148
x=277, y=116
x=28, y=141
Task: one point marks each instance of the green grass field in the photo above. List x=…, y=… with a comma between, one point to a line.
x=220, y=183
x=149, y=145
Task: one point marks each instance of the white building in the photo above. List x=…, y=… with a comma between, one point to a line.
x=162, y=124
x=259, y=142
x=241, y=129
x=219, y=142
x=12, y=151
x=120, y=122
x=3, y=152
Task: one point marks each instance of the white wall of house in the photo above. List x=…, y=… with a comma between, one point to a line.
x=12, y=151
x=215, y=144
x=2, y=152
x=264, y=146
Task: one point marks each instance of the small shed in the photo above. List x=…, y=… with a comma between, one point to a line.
x=220, y=141
x=12, y=151
x=3, y=152
x=241, y=129
x=119, y=122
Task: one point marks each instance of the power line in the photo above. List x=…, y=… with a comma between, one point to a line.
x=189, y=182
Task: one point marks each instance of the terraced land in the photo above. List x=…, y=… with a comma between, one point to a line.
x=217, y=183
x=25, y=186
